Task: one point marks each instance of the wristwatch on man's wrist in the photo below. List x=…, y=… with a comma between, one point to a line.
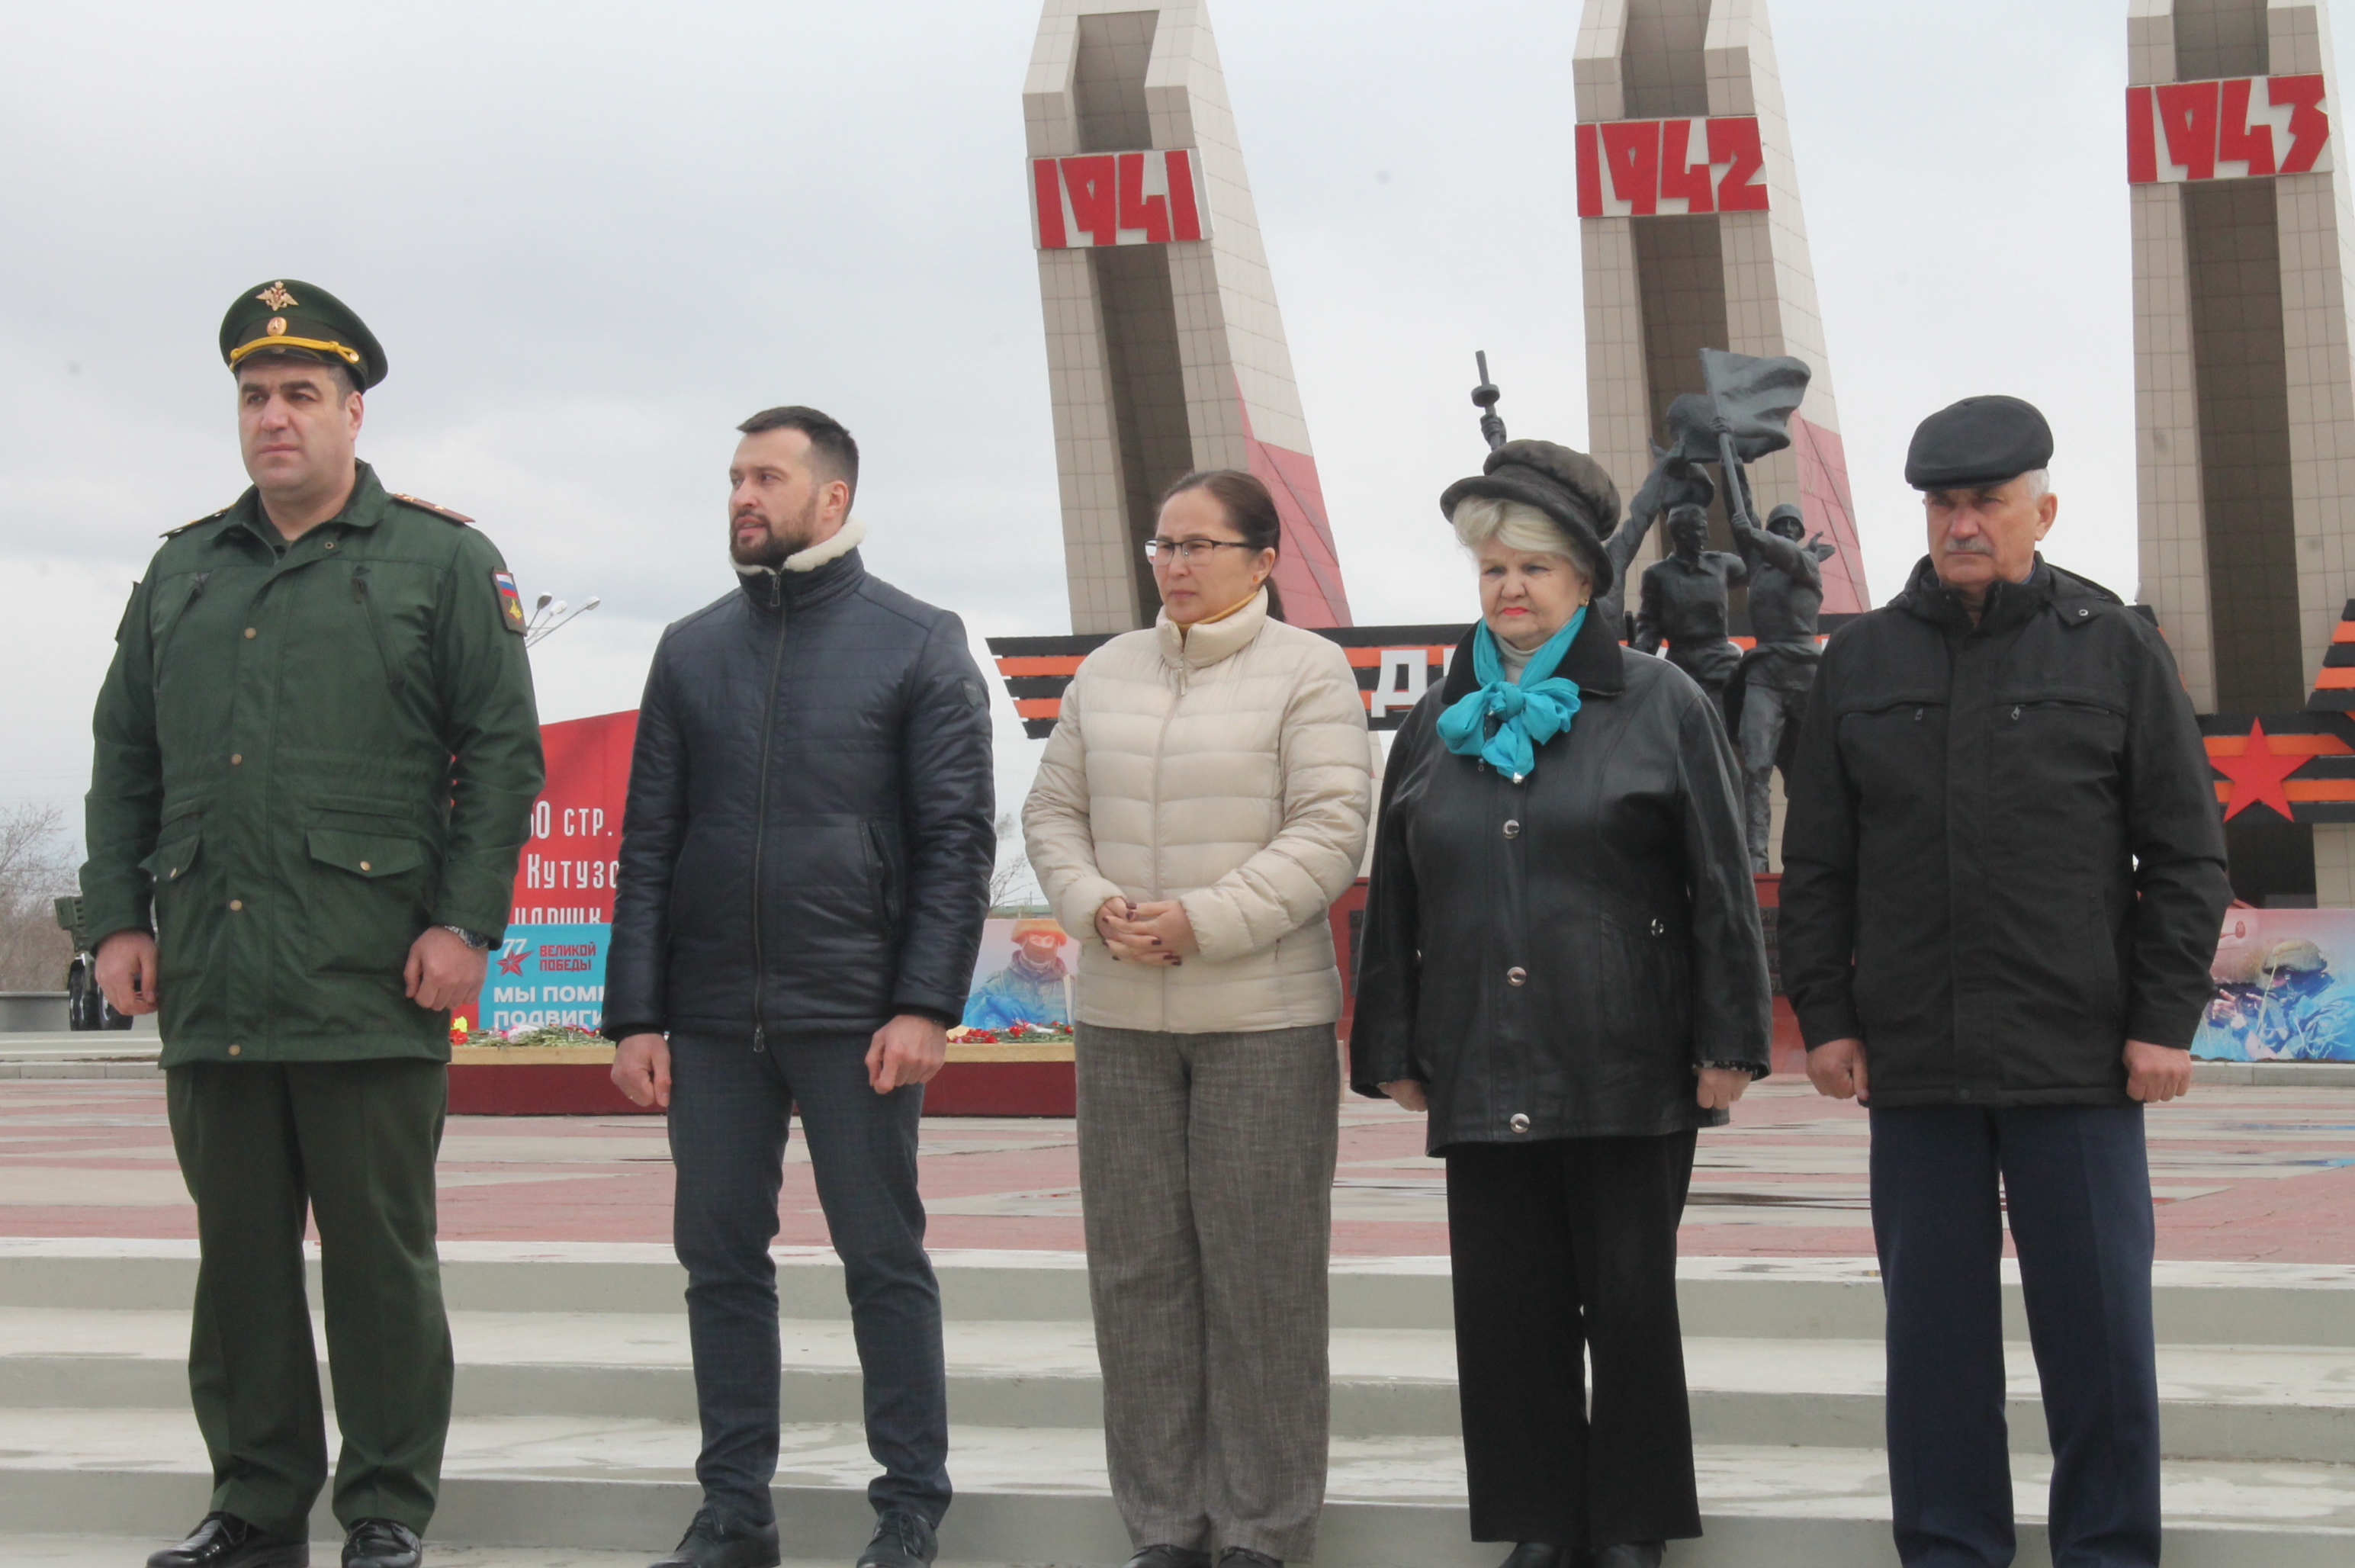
x=472, y=939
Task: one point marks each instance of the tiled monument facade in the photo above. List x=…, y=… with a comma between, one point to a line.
x=1164, y=345
x=1691, y=238
x=2244, y=388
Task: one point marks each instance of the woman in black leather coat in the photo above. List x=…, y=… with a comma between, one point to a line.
x=1561, y=962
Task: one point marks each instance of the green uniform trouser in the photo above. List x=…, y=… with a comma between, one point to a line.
x=354, y=1142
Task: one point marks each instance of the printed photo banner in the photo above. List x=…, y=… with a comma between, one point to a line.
x=2285, y=990
x=1023, y=974
x=550, y=969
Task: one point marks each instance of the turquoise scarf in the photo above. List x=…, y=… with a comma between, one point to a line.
x=1528, y=712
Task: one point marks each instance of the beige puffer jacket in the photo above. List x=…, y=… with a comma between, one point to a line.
x=1226, y=767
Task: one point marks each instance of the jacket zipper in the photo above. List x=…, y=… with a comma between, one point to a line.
x=761, y=825
x=196, y=591
x=1160, y=745
x=367, y=600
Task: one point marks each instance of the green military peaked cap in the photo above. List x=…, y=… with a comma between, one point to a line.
x=291, y=314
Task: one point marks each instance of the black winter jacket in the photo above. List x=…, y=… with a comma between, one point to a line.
x=809, y=838
x=1556, y=958
x=2003, y=857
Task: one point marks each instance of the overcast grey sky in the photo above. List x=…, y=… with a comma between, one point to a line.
x=593, y=236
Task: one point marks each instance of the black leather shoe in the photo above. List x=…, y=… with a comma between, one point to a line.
x=1631, y=1554
x=1244, y=1557
x=1170, y=1557
x=1537, y=1554
x=225, y=1541
x=901, y=1539
x=717, y=1540
x=382, y=1543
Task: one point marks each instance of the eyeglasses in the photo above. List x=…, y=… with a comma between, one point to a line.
x=1193, y=553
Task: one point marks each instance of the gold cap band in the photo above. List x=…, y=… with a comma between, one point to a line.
x=350, y=356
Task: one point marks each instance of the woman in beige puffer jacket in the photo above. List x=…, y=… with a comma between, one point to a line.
x=1201, y=804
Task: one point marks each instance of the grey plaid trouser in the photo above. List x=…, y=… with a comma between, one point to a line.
x=1206, y=1176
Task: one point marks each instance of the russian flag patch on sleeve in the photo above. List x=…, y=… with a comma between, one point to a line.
x=510, y=601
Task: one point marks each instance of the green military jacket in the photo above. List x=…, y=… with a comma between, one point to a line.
x=308, y=754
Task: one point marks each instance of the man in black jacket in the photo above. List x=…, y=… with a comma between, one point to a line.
x=804, y=870
x=2003, y=882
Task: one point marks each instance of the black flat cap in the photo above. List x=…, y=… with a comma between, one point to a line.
x=289, y=314
x=1979, y=441
x=1568, y=486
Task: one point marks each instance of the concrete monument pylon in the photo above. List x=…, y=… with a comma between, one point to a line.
x=2244, y=394
x=1692, y=238
x=1165, y=349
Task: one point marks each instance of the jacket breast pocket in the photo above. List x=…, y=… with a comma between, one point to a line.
x=1888, y=750
x=2061, y=758
x=367, y=899
x=182, y=933
x=1646, y=983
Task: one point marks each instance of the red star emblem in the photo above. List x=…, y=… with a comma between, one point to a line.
x=2257, y=775
x=512, y=962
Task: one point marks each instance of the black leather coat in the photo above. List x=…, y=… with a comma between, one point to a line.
x=1556, y=958
x=2003, y=856
x=809, y=838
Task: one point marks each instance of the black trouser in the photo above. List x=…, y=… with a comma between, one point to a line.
x=2077, y=1187
x=729, y=1108
x=352, y=1145
x=1560, y=1249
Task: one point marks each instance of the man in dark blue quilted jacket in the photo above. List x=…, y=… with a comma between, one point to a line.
x=804, y=870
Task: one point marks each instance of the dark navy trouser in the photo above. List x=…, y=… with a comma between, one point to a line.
x=2077, y=1187
x=728, y=1109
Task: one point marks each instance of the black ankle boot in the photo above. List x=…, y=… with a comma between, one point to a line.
x=1170, y=1557
x=718, y=1539
x=901, y=1539
x=1537, y=1554
x=1630, y=1554
x=383, y=1543
x=225, y=1541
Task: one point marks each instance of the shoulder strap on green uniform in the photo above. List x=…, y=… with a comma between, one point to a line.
x=445, y=513
x=184, y=527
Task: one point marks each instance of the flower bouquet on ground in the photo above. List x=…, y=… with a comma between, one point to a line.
x=1017, y=1042
x=541, y=1043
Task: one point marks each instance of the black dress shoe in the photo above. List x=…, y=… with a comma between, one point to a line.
x=382, y=1543
x=225, y=1541
x=1244, y=1557
x=1537, y=1554
x=1170, y=1557
x=1630, y=1554
x=901, y=1539
x=718, y=1539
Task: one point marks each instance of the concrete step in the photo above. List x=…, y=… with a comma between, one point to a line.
x=1773, y=1298
x=1039, y=1495
x=2235, y=1403
x=45, y=1550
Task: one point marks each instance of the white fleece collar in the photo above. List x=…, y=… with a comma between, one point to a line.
x=846, y=539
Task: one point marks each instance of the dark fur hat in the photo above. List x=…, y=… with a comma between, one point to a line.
x=1568, y=486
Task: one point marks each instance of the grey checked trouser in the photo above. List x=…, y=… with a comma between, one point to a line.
x=1206, y=1176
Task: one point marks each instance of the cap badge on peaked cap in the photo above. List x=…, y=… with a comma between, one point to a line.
x=274, y=318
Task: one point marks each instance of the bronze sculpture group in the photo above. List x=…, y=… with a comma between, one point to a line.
x=1684, y=600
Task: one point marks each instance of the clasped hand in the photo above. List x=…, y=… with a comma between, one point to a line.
x=441, y=973
x=1156, y=932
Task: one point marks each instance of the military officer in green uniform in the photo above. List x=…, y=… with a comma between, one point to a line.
x=317, y=759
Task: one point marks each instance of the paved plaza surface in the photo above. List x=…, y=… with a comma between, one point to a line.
x=2240, y=1174
x=575, y=1429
